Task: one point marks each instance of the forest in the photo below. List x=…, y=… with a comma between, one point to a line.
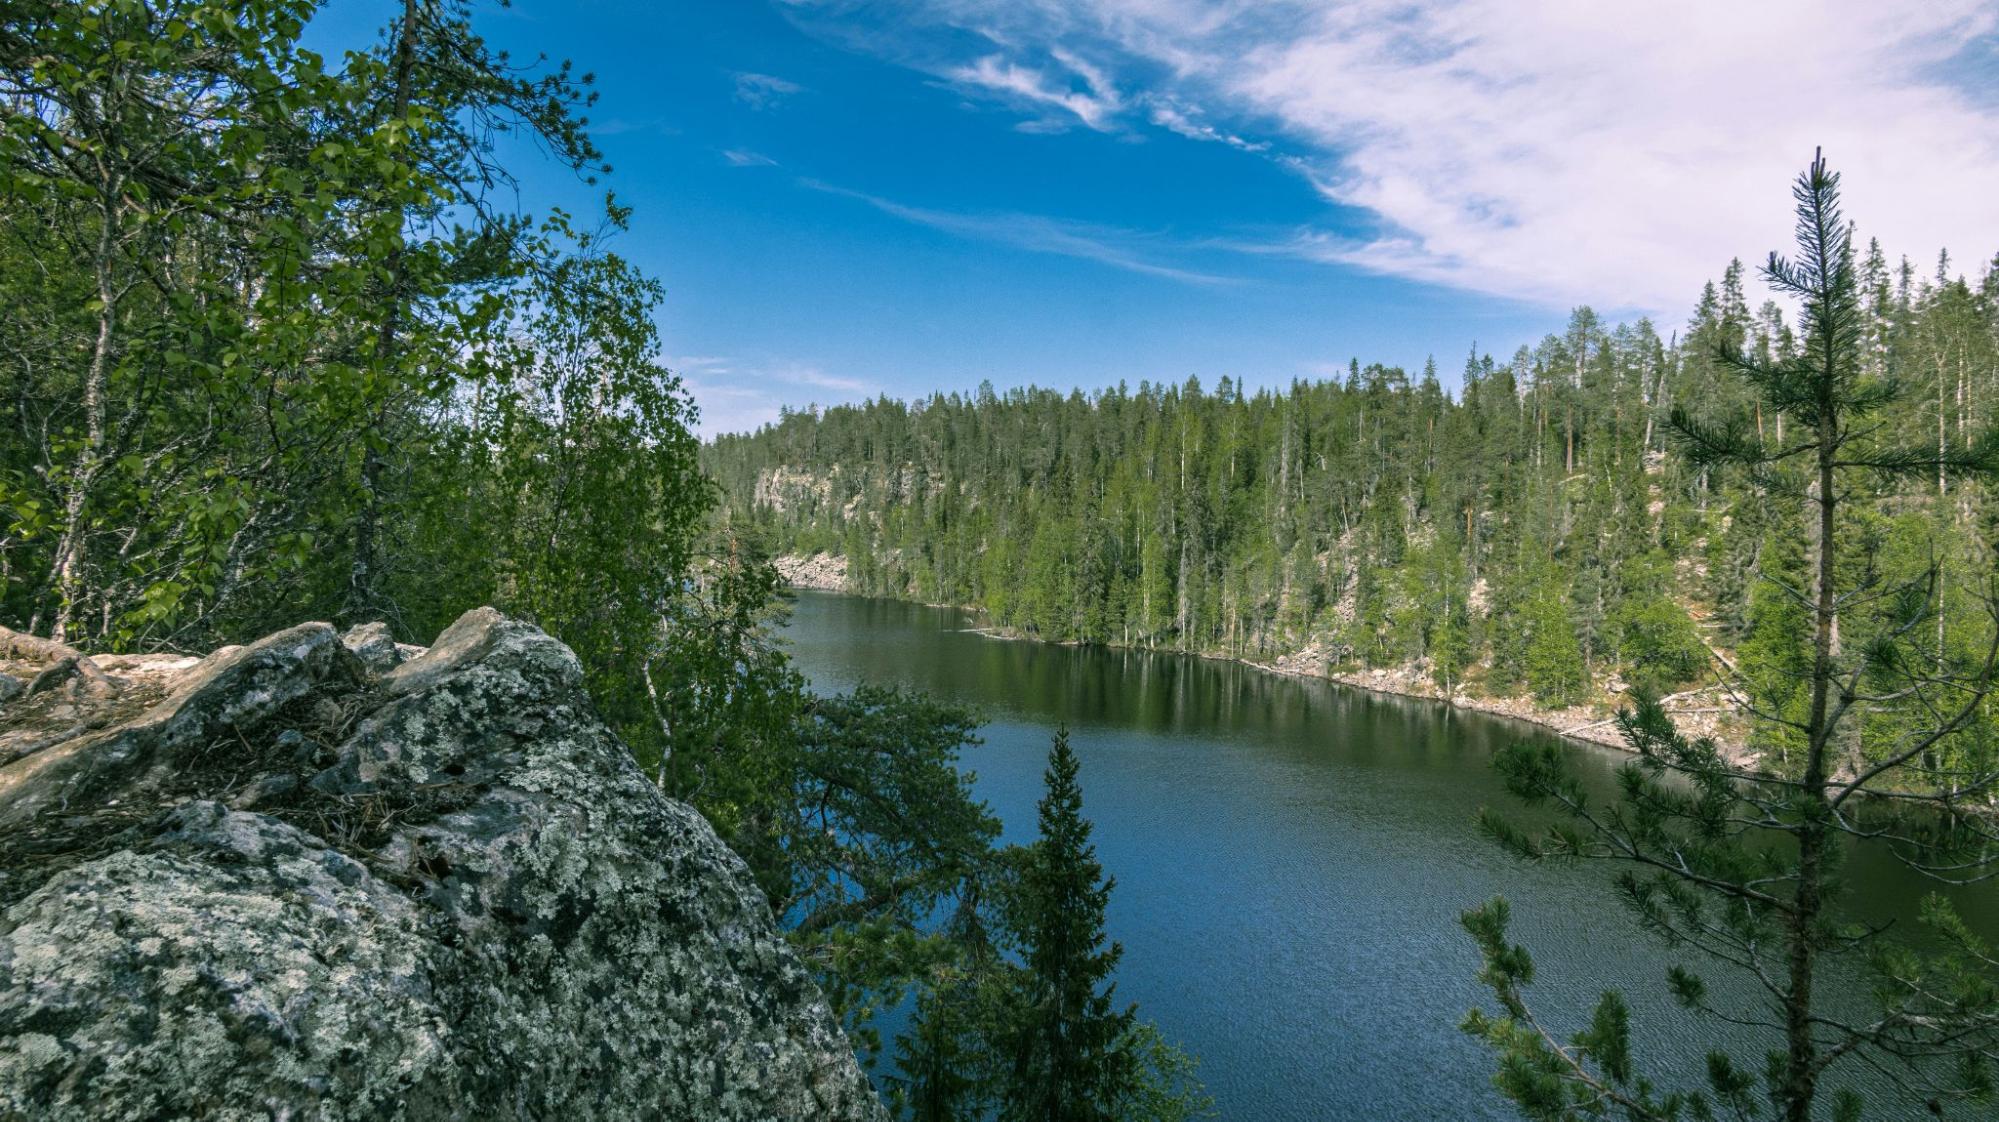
x=1530, y=528
x=1795, y=510
x=283, y=338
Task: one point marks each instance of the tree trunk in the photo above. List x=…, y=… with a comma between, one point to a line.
x=68, y=577
x=363, y=575
x=1800, y=1082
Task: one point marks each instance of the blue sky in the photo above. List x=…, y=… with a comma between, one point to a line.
x=846, y=197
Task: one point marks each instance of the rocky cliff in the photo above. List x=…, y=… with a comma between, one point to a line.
x=826, y=571
x=319, y=878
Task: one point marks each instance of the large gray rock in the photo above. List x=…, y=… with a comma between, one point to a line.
x=442, y=893
x=374, y=646
x=220, y=698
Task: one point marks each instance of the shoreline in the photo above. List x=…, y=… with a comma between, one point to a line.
x=1586, y=724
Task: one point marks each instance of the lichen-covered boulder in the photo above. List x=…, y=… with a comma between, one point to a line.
x=440, y=892
x=374, y=646
x=222, y=697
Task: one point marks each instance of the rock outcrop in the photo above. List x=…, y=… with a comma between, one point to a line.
x=826, y=571
x=318, y=878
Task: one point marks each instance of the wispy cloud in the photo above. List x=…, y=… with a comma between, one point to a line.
x=1591, y=152
x=763, y=91
x=744, y=158
x=1173, y=117
x=1130, y=250
x=802, y=374
x=1543, y=149
x=1071, y=87
x=741, y=395
x=618, y=126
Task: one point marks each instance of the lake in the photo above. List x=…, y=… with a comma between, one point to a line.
x=1291, y=859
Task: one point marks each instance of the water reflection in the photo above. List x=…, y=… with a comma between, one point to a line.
x=1291, y=858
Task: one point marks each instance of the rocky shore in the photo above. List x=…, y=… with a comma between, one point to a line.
x=826, y=572
x=1699, y=712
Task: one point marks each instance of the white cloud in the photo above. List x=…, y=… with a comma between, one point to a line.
x=763, y=91
x=1129, y=250
x=730, y=409
x=737, y=395
x=1558, y=151
x=744, y=158
x=620, y=126
x=1616, y=153
x=1176, y=118
x=1083, y=92
x=805, y=374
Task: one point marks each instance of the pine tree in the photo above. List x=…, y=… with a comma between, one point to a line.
x=1740, y=862
x=1450, y=648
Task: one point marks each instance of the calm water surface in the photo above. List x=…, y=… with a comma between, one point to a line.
x=1291, y=859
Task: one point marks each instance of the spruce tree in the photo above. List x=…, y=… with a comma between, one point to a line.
x=940, y=1058
x=1062, y=1054
x=1774, y=658
x=1555, y=669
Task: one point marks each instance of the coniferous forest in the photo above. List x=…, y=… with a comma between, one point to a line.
x=1799, y=516
x=1796, y=515
x=1533, y=529
x=286, y=335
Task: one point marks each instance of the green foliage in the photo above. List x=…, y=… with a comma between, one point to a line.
x=1383, y=521
x=1061, y=1052
x=276, y=345
x=1378, y=518
x=280, y=345
x=851, y=810
x=1654, y=636
x=1554, y=658
x=1775, y=657
x=1019, y=1020
x=1592, y=1077
x=1167, y=1087
x=885, y=819
x=942, y=1074
x=190, y=201
x=1869, y=705
x=1451, y=648
x=273, y=332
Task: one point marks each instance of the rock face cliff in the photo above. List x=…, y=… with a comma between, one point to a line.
x=821, y=570
x=316, y=878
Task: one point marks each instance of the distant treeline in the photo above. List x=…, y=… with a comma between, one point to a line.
x=1531, y=529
